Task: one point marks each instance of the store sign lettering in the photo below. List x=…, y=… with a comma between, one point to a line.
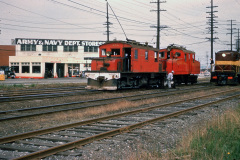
x=20, y=41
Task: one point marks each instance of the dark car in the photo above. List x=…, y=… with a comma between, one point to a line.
x=11, y=75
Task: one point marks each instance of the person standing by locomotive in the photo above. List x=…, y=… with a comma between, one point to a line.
x=169, y=79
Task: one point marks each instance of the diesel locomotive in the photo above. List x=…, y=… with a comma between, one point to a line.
x=129, y=64
x=227, y=68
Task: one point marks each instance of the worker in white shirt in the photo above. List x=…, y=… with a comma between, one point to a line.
x=170, y=78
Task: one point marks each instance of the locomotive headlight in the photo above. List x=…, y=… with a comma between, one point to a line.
x=114, y=76
x=224, y=55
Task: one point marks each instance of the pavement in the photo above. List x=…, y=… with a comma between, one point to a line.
x=43, y=81
x=50, y=81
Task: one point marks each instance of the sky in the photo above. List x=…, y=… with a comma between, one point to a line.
x=184, y=22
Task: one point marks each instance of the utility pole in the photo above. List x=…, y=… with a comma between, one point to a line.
x=211, y=22
x=231, y=32
x=107, y=23
x=238, y=42
x=158, y=22
x=207, y=60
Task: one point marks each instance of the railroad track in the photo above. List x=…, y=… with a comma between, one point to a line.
x=50, y=109
x=65, y=140
x=13, y=93
x=33, y=94
x=43, y=94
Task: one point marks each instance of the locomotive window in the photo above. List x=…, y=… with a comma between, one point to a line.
x=146, y=55
x=161, y=54
x=115, y=52
x=156, y=56
x=177, y=54
x=103, y=52
x=193, y=57
x=168, y=55
x=185, y=57
x=136, y=54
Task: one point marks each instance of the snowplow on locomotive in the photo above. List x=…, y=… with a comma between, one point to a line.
x=129, y=64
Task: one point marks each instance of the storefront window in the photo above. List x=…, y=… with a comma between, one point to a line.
x=74, y=69
x=15, y=67
x=25, y=67
x=36, y=67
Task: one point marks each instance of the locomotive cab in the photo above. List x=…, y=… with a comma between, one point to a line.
x=182, y=61
x=227, y=67
x=126, y=65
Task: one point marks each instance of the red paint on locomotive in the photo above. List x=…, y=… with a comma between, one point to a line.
x=130, y=64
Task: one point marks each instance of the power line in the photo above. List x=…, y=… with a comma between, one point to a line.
x=44, y=15
x=118, y=21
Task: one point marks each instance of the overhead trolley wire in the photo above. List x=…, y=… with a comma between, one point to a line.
x=47, y=16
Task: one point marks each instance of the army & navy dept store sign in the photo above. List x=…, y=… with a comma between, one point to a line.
x=52, y=42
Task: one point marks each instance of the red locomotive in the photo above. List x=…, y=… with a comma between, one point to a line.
x=131, y=65
x=182, y=61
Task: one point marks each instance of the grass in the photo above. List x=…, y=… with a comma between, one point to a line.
x=218, y=140
x=11, y=87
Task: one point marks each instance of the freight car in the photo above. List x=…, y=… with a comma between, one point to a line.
x=129, y=64
x=227, y=68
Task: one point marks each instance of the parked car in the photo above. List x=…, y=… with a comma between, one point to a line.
x=11, y=75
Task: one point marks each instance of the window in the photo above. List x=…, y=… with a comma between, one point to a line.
x=89, y=58
x=136, y=54
x=90, y=48
x=87, y=65
x=161, y=54
x=146, y=55
x=15, y=67
x=177, y=54
x=50, y=48
x=155, y=56
x=73, y=69
x=28, y=47
x=193, y=57
x=103, y=52
x=36, y=67
x=115, y=52
x=25, y=67
x=70, y=49
x=185, y=57
x=168, y=55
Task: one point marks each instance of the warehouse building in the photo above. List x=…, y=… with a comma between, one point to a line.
x=46, y=58
x=5, y=52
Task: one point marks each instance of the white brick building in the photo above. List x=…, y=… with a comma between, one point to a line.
x=39, y=58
